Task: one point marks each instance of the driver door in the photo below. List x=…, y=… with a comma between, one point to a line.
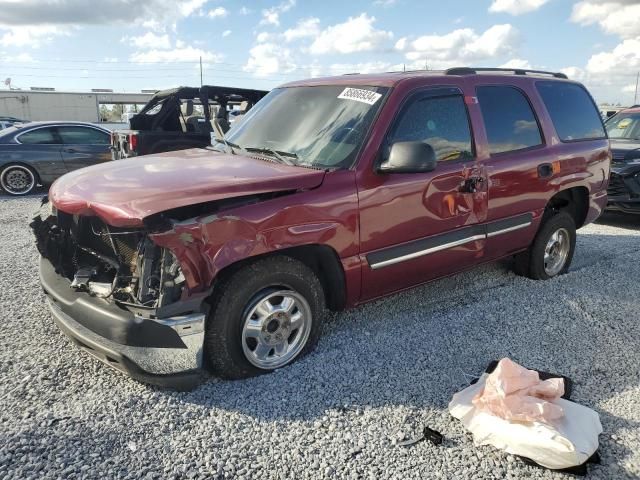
x=420, y=226
x=84, y=146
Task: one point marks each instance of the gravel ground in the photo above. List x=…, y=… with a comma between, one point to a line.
x=380, y=373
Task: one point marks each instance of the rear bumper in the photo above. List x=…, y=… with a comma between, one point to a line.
x=166, y=352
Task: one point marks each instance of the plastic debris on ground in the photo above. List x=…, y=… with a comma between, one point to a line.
x=513, y=409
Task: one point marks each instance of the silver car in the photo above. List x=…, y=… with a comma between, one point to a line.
x=39, y=152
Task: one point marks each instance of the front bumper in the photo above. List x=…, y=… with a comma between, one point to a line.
x=166, y=352
x=624, y=189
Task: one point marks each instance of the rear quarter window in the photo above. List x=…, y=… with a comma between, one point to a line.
x=572, y=111
x=509, y=120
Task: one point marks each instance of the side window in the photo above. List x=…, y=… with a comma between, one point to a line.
x=83, y=136
x=40, y=136
x=508, y=119
x=572, y=111
x=441, y=122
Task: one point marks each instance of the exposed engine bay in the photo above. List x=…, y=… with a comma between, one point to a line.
x=122, y=264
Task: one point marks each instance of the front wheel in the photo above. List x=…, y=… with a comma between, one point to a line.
x=264, y=316
x=552, y=250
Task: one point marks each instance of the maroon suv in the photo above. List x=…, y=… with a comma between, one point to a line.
x=330, y=193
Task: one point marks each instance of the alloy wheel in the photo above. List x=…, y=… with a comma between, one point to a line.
x=276, y=328
x=17, y=180
x=556, y=252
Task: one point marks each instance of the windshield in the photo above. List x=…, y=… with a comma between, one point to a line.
x=624, y=125
x=311, y=126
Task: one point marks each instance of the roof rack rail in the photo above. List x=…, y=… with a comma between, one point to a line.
x=516, y=71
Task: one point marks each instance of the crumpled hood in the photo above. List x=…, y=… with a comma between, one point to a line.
x=124, y=192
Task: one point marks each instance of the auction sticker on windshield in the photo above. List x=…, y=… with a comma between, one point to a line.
x=360, y=95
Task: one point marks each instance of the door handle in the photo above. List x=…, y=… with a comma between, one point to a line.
x=471, y=184
x=545, y=170
x=69, y=150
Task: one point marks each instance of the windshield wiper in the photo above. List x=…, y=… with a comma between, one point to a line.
x=229, y=144
x=274, y=153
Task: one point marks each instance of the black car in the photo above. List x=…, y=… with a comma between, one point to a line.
x=624, y=184
x=39, y=152
x=180, y=118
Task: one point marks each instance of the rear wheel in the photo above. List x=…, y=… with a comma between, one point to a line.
x=18, y=179
x=264, y=316
x=552, y=249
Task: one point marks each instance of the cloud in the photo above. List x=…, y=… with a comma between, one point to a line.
x=574, y=73
x=29, y=35
x=517, y=63
x=185, y=53
x=226, y=33
x=269, y=58
x=149, y=40
x=617, y=18
x=357, y=34
x=624, y=57
x=364, y=67
x=385, y=3
x=462, y=46
x=82, y=12
x=218, y=12
x=631, y=88
x=245, y=11
x=516, y=7
x=19, y=58
x=271, y=16
x=187, y=7
x=307, y=27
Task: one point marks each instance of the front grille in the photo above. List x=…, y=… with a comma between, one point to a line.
x=617, y=187
x=618, y=156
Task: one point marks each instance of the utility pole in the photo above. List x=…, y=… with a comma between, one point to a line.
x=200, y=71
x=635, y=95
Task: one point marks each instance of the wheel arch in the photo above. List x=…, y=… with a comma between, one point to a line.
x=322, y=259
x=574, y=201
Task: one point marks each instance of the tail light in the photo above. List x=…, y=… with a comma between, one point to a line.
x=133, y=141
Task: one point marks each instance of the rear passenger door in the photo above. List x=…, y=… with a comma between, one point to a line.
x=517, y=185
x=84, y=146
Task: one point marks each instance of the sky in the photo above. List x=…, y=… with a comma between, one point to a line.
x=129, y=45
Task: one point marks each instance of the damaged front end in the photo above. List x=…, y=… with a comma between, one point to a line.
x=120, y=296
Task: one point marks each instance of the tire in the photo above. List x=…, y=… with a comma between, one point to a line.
x=532, y=263
x=239, y=331
x=17, y=179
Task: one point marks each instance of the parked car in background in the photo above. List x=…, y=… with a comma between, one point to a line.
x=6, y=122
x=624, y=184
x=40, y=152
x=181, y=118
x=331, y=192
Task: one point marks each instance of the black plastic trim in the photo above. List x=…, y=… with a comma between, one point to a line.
x=182, y=381
x=520, y=220
x=103, y=317
x=414, y=248
x=422, y=244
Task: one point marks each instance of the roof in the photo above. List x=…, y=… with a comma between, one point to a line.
x=62, y=122
x=390, y=79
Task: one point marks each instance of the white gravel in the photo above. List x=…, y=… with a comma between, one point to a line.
x=379, y=374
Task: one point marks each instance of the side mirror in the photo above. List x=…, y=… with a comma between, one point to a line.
x=409, y=157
